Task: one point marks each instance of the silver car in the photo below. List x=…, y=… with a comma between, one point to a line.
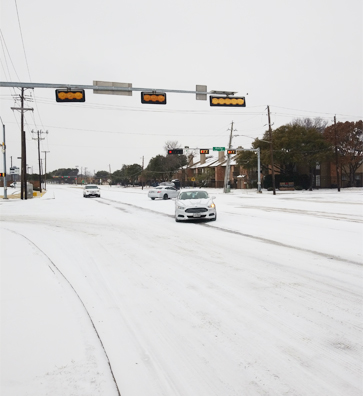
x=195, y=204
x=164, y=192
x=91, y=190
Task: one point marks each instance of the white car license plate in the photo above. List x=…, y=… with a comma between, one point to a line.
x=196, y=214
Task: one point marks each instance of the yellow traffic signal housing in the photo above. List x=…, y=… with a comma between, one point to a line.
x=175, y=151
x=153, y=98
x=64, y=95
x=2, y=174
x=204, y=151
x=227, y=101
x=231, y=151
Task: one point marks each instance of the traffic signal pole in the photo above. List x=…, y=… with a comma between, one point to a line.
x=227, y=172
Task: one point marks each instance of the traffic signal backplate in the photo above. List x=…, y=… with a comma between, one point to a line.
x=64, y=95
x=175, y=151
x=226, y=101
x=153, y=98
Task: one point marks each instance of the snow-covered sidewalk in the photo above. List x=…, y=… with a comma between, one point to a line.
x=48, y=344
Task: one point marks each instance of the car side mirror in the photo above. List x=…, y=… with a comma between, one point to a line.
x=214, y=197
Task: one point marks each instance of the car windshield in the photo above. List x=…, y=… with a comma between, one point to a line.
x=193, y=195
x=91, y=187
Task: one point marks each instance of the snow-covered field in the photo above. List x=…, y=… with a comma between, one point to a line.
x=110, y=296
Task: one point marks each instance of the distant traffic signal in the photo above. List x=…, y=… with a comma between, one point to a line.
x=175, y=151
x=227, y=101
x=153, y=98
x=231, y=151
x=204, y=151
x=64, y=95
x=2, y=174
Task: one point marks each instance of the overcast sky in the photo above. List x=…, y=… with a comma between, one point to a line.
x=302, y=58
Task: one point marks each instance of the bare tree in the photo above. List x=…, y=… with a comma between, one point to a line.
x=311, y=123
x=171, y=144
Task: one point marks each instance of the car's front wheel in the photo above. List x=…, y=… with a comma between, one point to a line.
x=152, y=199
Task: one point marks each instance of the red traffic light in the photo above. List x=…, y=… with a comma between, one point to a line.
x=204, y=151
x=231, y=151
x=153, y=97
x=175, y=151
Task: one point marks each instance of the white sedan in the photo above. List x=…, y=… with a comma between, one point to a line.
x=164, y=192
x=91, y=190
x=195, y=204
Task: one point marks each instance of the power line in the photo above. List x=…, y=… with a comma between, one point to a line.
x=22, y=39
x=3, y=44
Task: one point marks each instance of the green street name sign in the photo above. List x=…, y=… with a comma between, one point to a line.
x=219, y=148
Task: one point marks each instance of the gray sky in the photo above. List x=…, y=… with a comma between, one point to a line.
x=303, y=59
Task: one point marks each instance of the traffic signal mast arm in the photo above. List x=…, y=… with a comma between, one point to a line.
x=94, y=87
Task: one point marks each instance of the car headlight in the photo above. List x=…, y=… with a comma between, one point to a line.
x=180, y=207
x=212, y=205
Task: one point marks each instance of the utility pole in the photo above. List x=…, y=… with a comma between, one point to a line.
x=39, y=138
x=4, y=154
x=45, y=169
x=226, y=174
x=142, y=177
x=271, y=152
x=336, y=153
x=23, y=191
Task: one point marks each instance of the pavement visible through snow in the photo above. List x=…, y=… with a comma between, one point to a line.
x=111, y=296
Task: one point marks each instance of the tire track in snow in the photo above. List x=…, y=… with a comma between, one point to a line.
x=351, y=218
x=261, y=239
x=79, y=298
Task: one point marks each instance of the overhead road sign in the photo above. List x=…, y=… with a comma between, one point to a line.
x=64, y=95
x=204, y=151
x=231, y=151
x=219, y=148
x=175, y=151
x=153, y=97
x=227, y=101
x=112, y=86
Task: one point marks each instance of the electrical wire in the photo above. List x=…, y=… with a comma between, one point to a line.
x=22, y=39
x=3, y=44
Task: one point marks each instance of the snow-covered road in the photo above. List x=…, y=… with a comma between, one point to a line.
x=111, y=296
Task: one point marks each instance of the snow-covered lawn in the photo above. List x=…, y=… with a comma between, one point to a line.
x=110, y=296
